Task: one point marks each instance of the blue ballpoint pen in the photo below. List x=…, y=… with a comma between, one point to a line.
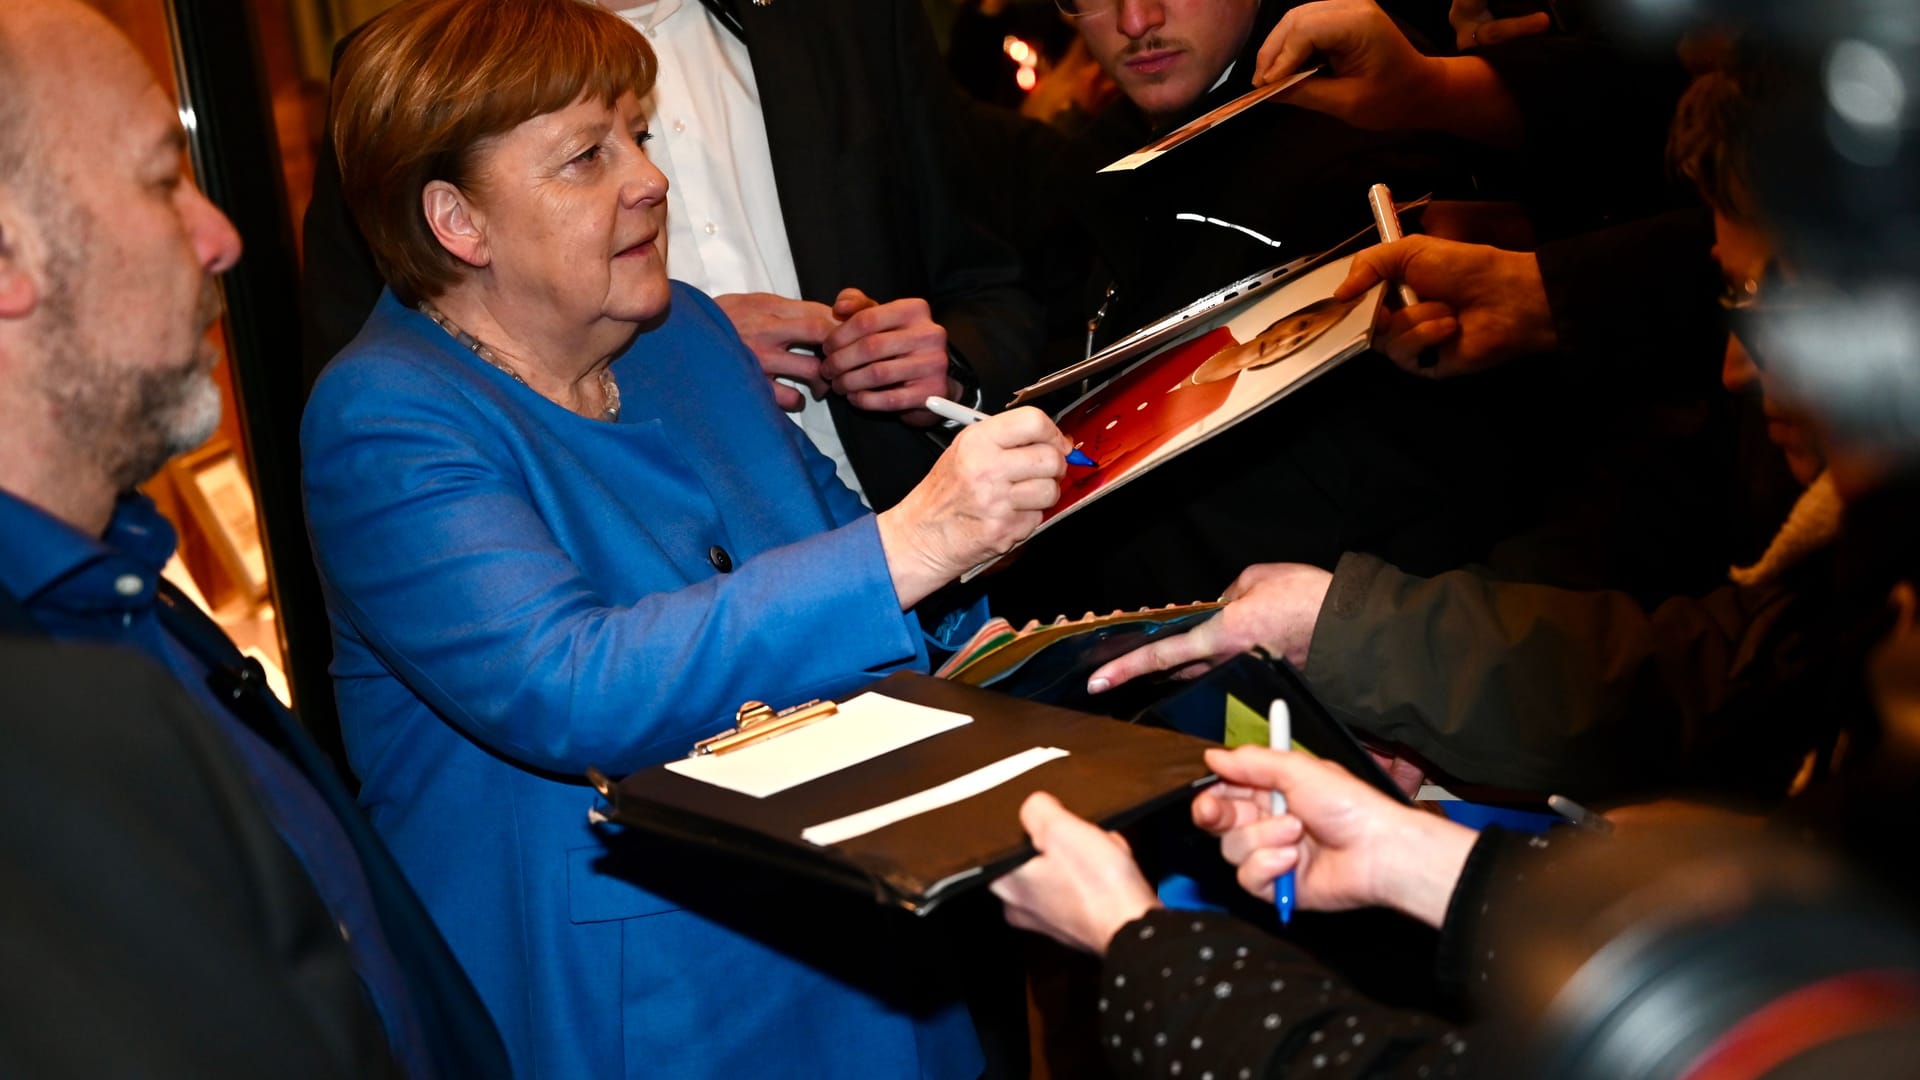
x=1280, y=737
x=960, y=414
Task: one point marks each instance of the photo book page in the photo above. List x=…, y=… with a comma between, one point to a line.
x=1246, y=357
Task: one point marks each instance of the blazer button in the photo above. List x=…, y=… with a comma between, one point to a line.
x=721, y=561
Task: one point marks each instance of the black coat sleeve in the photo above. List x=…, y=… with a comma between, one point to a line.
x=1636, y=302
x=1194, y=994
x=156, y=925
x=1542, y=689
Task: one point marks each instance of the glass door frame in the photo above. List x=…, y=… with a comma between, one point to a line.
x=227, y=110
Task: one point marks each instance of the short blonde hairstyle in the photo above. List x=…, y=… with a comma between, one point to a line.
x=425, y=85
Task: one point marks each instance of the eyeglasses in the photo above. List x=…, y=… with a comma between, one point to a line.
x=1741, y=301
x=1740, y=295
x=1085, y=9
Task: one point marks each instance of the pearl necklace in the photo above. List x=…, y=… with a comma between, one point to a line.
x=609, y=389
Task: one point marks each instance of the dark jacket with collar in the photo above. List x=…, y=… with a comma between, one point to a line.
x=156, y=924
x=161, y=956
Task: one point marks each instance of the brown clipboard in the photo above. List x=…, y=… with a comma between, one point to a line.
x=1114, y=773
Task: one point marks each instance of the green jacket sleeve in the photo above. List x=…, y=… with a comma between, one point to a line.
x=1531, y=687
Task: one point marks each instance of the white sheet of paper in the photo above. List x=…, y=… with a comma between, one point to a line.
x=960, y=787
x=864, y=727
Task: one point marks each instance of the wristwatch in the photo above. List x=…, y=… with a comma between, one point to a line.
x=962, y=375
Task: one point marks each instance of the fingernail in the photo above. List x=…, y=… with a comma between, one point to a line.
x=1098, y=686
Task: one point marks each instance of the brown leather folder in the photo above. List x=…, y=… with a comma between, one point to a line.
x=1114, y=773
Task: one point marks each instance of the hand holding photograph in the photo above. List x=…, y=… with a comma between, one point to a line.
x=1200, y=125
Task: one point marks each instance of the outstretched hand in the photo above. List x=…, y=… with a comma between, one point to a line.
x=1375, y=78
x=1372, y=77
x=1475, y=27
x=1349, y=845
x=1273, y=605
x=1082, y=887
x=1480, y=306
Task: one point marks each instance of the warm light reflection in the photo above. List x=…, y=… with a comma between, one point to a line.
x=1025, y=55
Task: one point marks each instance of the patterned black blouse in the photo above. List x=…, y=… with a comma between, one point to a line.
x=1203, y=996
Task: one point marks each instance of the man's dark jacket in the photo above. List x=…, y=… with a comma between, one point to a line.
x=156, y=924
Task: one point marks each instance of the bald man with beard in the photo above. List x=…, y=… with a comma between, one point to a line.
x=190, y=890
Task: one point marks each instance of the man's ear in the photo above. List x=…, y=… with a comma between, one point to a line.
x=456, y=223
x=19, y=285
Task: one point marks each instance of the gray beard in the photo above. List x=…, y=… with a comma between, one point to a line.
x=126, y=423
x=155, y=416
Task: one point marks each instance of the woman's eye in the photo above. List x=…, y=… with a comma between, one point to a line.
x=642, y=138
x=589, y=155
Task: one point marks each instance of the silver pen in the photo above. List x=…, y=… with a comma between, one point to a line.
x=1386, y=218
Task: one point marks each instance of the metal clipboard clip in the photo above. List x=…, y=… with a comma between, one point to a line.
x=756, y=722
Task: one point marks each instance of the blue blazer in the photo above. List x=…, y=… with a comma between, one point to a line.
x=518, y=593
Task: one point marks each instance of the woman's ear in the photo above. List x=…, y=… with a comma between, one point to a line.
x=456, y=223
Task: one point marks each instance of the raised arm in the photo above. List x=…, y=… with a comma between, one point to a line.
x=540, y=635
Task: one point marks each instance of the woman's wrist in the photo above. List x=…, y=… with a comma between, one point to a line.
x=1119, y=914
x=914, y=576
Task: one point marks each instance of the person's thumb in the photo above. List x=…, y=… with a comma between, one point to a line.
x=1382, y=262
x=1499, y=30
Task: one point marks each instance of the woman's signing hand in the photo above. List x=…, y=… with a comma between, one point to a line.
x=984, y=495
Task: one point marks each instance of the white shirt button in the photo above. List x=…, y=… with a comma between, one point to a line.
x=128, y=585
x=711, y=228
x=679, y=125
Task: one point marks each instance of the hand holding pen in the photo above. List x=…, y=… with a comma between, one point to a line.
x=1475, y=306
x=1280, y=739
x=986, y=494
x=1345, y=844
x=955, y=413
x=1386, y=222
